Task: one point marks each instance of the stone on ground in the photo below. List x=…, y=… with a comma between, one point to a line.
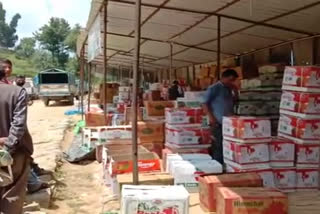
x=42, y=197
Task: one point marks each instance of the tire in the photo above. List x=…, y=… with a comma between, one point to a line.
x=46, y=102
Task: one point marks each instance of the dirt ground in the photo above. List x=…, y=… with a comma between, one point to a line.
x=79, y=188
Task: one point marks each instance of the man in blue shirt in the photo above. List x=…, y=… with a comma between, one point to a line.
x=219, y=102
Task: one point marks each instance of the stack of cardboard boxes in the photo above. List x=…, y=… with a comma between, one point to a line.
x=300, y=122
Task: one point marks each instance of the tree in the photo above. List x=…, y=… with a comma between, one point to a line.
x=73, y=65
x=8, y=37
x=72, y=38
x=26, y=48
x=52, y=37
x=42, y=60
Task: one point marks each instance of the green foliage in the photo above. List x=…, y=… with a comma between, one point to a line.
x=73, y=65
x=26, y=48
x=42, y=59
x=8, y=37
x=71, y=40
x=20, y=66
x=52, y=37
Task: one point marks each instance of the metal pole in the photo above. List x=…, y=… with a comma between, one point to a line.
x=136, y=66
x=105, y=66
x=81, y=82
x=219, y=47
x=89, y=85
x=171, y=55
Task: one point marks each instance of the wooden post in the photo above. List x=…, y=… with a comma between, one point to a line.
x=219, y=47
x=82, y=61
x=171, y=63
x=89, y=85
x=136, y=62
x=105, y=65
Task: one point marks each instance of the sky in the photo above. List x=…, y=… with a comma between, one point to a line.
x=36, y=13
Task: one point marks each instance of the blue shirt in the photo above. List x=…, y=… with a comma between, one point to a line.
x=219, y=98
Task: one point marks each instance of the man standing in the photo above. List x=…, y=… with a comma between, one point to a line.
x=219, y=102
x=14, y=138
x=175, y=91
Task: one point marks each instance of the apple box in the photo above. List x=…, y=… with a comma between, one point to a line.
x=302, y=78
x=282, y=152
x=247, y=129
x=188, y=134
x=154, y=199
x=251, y=200
x=285, y=178
x=184, y=115
x=300, y=104
x=305, y=129
x=307, y=179
x=308, y=155
x=209, y=184
x=246, y=153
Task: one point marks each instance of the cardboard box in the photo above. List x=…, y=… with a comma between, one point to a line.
x=155, y=146
x=158, y=179
x=208, y=186
x=115, y=134
x=153, y=130
x=273, y=68
x=308, y=155
x=94, y=119
x=154, y=199
x=246, y=153
x=247, y=129
x=302, y=78
x=308, y=179
x=195, y=95
x=264, y=171
x=187, y=157
x=186, y=103
x=184, y=115
x=300, y=104
x=285, y=178
x=282, y=152
x=154, y=95
x=187, y=173
x=305, y=129
x=111, y=91
x=187, y=134
x=128, y=114
x=251, y=200
x=157, y=108
x=148, y=162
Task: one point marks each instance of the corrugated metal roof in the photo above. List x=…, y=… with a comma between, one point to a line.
x=192, y=27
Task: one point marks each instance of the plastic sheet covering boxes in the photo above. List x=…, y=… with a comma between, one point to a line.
x=251, y=200
x=300, y=122
x=154, y=199
x=209, y=185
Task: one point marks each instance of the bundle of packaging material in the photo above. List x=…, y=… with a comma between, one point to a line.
x=183, y=102
x=257, y=108
x=282, y=152
x=246, y=146
x=184, y=157
x=299, y=122
x=260, y=95
x=154, y=199
x=209, y=185
x=186, y=173
x=192, y=134
x=184, y=115
x=267, y=81
x=115, y=134
x=251, y=200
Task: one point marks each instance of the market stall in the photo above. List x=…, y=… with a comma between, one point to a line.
x=272, y=142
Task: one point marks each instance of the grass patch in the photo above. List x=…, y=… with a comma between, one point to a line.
x=20, y=66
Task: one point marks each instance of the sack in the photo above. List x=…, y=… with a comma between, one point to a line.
x=77, y=153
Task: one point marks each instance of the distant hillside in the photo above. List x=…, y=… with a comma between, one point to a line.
x=20, y=66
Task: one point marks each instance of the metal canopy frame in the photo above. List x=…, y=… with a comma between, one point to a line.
x=202, y=22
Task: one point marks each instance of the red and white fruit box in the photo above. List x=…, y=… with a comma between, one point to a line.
x=307, y=179
x=154, y=199
x=247, y=129
x=263, y=170
x=304, y=129
x=302, y=78
x=285, y=178
x=308, y=155
x=184, y=115
x=282, y=152
x=305, y=105
x=246, y=153
x=188, y=134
